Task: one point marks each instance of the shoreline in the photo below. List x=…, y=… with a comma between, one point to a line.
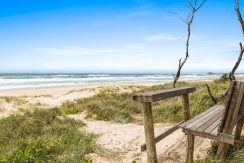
x=60, y=90
x=64, y=89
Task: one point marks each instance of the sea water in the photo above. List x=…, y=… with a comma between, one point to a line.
x=30, y=80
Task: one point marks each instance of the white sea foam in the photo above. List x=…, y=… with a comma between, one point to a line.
x=23, y=81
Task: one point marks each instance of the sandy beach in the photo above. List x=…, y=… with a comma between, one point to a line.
x=122, y=139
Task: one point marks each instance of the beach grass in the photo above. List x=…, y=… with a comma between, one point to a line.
x=42, y=135
x=112, y=105
x=108, y=105
x=13, y=99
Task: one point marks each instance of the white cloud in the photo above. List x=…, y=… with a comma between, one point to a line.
x=77, y=51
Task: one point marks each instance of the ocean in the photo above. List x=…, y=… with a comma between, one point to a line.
x=25, y=81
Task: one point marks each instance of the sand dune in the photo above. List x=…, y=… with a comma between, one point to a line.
x=123, y=140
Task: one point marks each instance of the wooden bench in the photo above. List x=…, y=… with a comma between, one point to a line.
x=218, y=122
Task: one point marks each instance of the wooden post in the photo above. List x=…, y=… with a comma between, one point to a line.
x=185, y=100
x=190, y=137
x=222, y=151
x=149, y=133
x=238, y=132
x=190, y=148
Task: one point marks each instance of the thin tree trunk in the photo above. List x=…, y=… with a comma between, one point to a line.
x=211, y=95
x=236, y=65
x=194, y=8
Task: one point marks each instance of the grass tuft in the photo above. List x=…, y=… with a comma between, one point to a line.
x=107, y=105
x=12, y=99
x=42, y=136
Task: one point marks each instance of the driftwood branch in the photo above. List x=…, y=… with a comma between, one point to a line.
x=239, y=16
x=211, y=95
x=194, y=7
x=236, y=65
x=232, y=73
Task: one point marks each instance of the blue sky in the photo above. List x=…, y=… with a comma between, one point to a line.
x=116, y=36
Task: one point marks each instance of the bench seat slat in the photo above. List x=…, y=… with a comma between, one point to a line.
x=208, y=120
x=207, y=123
x=197, y=116
x=212, y=127
x=211, y=121
x=209, y=113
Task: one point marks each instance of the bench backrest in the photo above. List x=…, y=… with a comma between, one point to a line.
x=234, y=107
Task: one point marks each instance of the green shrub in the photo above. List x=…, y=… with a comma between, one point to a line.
x=224, y=77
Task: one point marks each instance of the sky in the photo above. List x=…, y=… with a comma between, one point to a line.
x=116, y=36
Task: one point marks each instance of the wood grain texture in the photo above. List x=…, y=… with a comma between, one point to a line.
x=198, y=120
x=186, y=106
x=164, y=94
x=198, y=116
x=227, y=105
x=190, y=147
x=149, y=133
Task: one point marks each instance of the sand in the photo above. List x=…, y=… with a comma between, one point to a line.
x=122, y=140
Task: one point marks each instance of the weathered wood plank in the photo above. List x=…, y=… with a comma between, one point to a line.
x=149, y=133
x=160, y=95
x=212, y=127
x=208, y=123
x=231, y=109
x=215, y=131
x=229, y=139
x=163, y=135
x=216, y=138
x=208, y=120
x=238, y=104
x=198, y=116
x=238, y=132
x=190, y=125
x=241, y=111
x=227, y=105
x=222, y=152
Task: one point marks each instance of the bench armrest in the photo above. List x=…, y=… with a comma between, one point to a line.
x=164, y=94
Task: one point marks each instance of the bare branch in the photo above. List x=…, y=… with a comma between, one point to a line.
x=232, y=73
x=180, y=17
x=190, y=4
x=189, y=20
x=200, y=5
x=239, y=16
x=211, y=95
